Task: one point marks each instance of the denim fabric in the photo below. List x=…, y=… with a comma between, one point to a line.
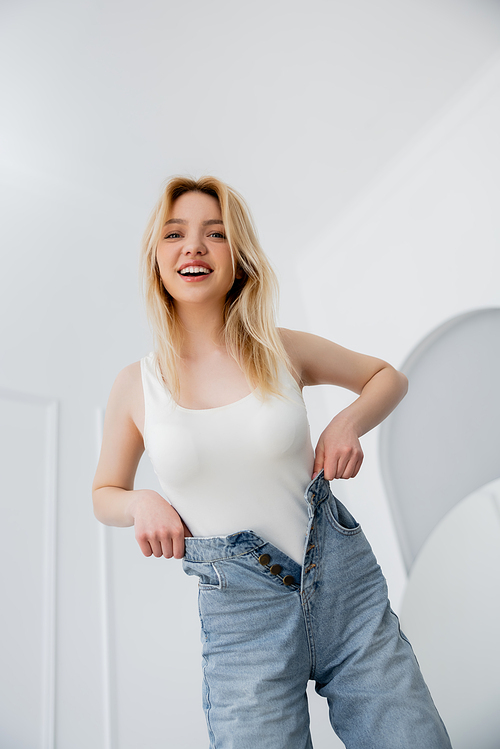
x=269, y=625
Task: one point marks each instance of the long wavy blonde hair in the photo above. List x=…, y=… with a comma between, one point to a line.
x=249, y=328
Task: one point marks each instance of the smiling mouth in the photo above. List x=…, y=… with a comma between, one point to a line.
x=195, y=272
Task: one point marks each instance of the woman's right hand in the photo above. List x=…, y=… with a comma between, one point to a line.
x=159, y=529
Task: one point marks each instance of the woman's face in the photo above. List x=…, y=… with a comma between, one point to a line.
x=193, y=255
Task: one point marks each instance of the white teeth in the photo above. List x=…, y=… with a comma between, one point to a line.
x=194, y=269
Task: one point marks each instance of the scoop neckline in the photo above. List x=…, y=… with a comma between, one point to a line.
x=234, y=403
x=213, y=408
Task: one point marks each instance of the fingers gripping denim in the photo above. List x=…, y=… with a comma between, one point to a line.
x=268, y=625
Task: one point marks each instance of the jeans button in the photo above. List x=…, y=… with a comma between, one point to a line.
x=264, y=559
x=288, y=580
x=275, y=569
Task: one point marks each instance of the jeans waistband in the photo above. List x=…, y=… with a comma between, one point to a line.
x=213, y=548
x=317, y=490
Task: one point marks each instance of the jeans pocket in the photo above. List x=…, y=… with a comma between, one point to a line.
x=340, y=518
x=210, y=577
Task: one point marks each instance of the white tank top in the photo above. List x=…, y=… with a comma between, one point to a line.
x=243, y=466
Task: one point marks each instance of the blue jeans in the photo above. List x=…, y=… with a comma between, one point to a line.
x=269, y=625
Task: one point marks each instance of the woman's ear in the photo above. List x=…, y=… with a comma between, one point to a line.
x=239, y=272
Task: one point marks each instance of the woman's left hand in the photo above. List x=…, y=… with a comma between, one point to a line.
x=338, y=451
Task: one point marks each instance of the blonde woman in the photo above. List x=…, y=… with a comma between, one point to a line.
x=289, y=589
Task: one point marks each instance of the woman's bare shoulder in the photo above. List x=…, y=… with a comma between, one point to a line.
x=128, y=391
x=128, y=379
x=295, y=338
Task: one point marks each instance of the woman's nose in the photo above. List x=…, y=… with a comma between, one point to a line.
x=194, y=246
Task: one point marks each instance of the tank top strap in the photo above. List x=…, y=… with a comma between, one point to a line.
x=287, y=378
x=151, y=378
x=158, y=402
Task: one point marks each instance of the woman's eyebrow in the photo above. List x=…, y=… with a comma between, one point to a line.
x=205, y=223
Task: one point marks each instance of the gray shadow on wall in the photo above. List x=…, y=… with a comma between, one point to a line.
x=442, y=442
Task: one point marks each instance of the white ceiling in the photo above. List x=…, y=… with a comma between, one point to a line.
x=299, y=106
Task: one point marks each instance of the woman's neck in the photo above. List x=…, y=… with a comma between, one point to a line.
x=202, y=330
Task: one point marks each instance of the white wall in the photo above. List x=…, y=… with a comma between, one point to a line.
x=301, y=108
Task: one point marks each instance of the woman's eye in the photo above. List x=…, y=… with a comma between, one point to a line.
x=172, y=235
x=217, y=234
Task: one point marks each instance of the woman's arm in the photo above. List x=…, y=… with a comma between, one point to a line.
x=380, y=388
x=159, y=530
